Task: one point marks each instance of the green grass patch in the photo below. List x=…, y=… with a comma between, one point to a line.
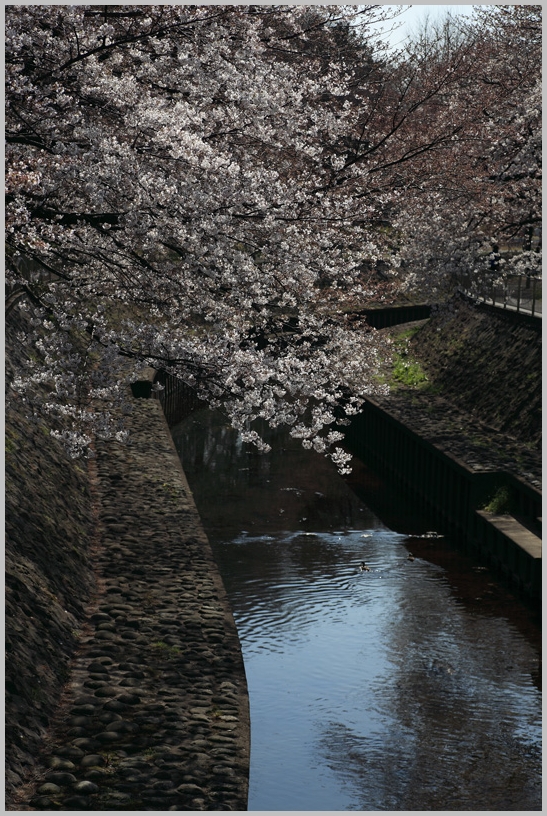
x=165, y=650
x=406, y=335
x=500, y=503
x=408, y=372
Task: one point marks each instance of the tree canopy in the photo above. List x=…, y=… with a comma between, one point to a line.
x=202, y=189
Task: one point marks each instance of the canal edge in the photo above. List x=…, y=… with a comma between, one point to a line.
x=155, y=711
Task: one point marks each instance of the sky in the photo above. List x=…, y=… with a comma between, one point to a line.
x=411, y=20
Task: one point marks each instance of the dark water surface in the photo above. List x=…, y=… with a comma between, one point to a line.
x=414, y=686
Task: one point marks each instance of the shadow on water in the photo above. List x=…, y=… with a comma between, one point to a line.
x=412, y=685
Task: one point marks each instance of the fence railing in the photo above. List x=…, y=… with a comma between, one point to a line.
x=176, y=397
x=516, y=293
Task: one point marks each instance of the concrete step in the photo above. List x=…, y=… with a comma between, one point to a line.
x=512, y=548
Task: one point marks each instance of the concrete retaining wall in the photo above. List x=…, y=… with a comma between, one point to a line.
x=512, y=548
x=385, y=316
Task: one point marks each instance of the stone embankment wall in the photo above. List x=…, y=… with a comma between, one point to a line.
x=487, y=363
x=49, y=574
x=126, y=685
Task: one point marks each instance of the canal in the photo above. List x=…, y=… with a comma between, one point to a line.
x=413, y=684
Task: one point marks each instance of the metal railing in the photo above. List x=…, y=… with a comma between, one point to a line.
x=516, y=293
x=177, y=399
x=519, y=293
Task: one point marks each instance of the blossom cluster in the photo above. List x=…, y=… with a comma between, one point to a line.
x=203, y=189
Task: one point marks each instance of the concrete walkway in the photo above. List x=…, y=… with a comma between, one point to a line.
x=155, y=715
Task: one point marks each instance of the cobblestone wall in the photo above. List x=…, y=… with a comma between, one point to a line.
x=48, y=572
x=488, y=365
x=126, y=685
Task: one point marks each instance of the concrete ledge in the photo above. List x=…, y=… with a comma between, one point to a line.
x=514, y=549
x=515, y=531
x=421, y=461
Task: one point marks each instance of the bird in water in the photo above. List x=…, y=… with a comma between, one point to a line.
x=363, y=567
x=410, y=557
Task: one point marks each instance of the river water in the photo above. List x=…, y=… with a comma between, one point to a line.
x=414, y=685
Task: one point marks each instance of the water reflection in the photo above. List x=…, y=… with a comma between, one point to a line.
x=379, y=690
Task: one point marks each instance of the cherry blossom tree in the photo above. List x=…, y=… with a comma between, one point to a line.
x=200, y=189
x=484, y=191
x=169, y=180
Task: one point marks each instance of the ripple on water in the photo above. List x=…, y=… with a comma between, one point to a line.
x=383, y=675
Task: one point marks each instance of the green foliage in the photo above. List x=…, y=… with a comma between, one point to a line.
x=405, y=370
x=11, y=447
x=408, y=334
x=501, y=502
x=110, y=757
x=12, y=440
x=408, y=372
x=165, y=650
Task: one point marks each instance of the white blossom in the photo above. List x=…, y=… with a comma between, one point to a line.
x=186, y=194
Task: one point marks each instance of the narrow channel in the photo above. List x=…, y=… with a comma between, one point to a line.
x=413, y=685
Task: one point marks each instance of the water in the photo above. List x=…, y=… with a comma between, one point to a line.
x=411, y=686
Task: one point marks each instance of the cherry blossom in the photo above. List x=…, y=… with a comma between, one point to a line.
x=208, y=190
